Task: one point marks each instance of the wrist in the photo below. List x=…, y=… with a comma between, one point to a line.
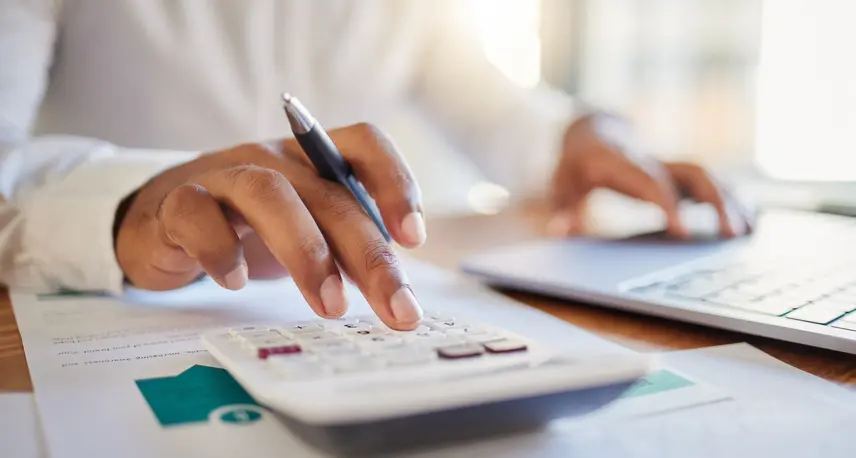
x=121, y=212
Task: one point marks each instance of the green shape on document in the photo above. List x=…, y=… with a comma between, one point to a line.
x=657, y=382
x=65, y=293
x=192, y=395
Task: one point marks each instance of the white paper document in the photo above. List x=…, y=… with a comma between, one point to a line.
x=129, y=377
x=20, y=435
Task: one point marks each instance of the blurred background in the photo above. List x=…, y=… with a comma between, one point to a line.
x=762, y=88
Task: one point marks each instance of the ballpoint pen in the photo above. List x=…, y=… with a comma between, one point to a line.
x=326, y=158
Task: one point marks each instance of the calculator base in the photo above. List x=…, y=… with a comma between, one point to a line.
x=454, y=425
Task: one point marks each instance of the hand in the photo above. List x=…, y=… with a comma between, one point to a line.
x=600, y=152
x=193, y=219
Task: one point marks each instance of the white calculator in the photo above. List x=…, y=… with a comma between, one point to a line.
x=354, y=385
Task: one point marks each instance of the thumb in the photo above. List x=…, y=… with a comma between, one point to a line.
x=569, y=216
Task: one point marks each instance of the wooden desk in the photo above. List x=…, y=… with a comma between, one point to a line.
x=451, y=240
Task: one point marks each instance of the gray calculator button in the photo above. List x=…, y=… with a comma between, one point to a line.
x=467, y=350
x=504, y=346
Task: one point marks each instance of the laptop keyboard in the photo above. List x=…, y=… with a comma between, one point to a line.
x=798, y=290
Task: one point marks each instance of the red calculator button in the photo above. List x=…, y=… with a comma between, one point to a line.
x=264, y=352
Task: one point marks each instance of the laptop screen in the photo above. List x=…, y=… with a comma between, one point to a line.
x=806, y=91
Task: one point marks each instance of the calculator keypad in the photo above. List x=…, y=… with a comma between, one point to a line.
x=348, y=345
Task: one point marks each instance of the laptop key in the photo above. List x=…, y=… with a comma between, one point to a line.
x=842, y=324
x=771, y=307
x=813, y=313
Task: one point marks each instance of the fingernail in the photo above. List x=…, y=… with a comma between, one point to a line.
x=237, y=278
x=333, y=296
x=405, y=308
x=413, y=227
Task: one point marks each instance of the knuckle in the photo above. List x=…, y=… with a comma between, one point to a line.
x=340, y=204
x=368, y=130
x=314, y=249
x=259, y=183
x=379, y=255
x=181, y=202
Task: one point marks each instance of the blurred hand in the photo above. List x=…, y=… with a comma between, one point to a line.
x=601, y=152
x=202, y=216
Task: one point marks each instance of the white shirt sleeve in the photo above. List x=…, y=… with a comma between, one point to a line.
x=513, y=134
x=58, y=195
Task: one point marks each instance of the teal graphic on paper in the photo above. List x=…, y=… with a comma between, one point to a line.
x=657, y=382
x=192, y=395
x=67, y=293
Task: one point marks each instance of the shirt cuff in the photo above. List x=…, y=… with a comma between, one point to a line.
x=69, y=223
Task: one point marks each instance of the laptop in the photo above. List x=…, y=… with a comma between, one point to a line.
x=794, y=279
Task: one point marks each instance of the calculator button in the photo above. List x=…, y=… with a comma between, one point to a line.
x=484, y=338
x=365, y=333
x=420, y=328
x=504, y=346
x=267, y=342
x=297, y=366
x=370, y=319
x=336, y=350
x=303, y=328
x=430, y=338
x=358, y=364
x=341, y=327
x=446, y=325
x=465, y=332
x=434, y=317
x=407, y=357
x=265, y=352
x=467, y=350
x=257, y=335
x=234, y=332
x=380, y=341
x=323, y=336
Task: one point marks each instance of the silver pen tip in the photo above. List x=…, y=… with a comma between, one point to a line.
x=299, y=118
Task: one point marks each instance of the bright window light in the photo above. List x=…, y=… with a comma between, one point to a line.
x=509, y=31
x=806, y=99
